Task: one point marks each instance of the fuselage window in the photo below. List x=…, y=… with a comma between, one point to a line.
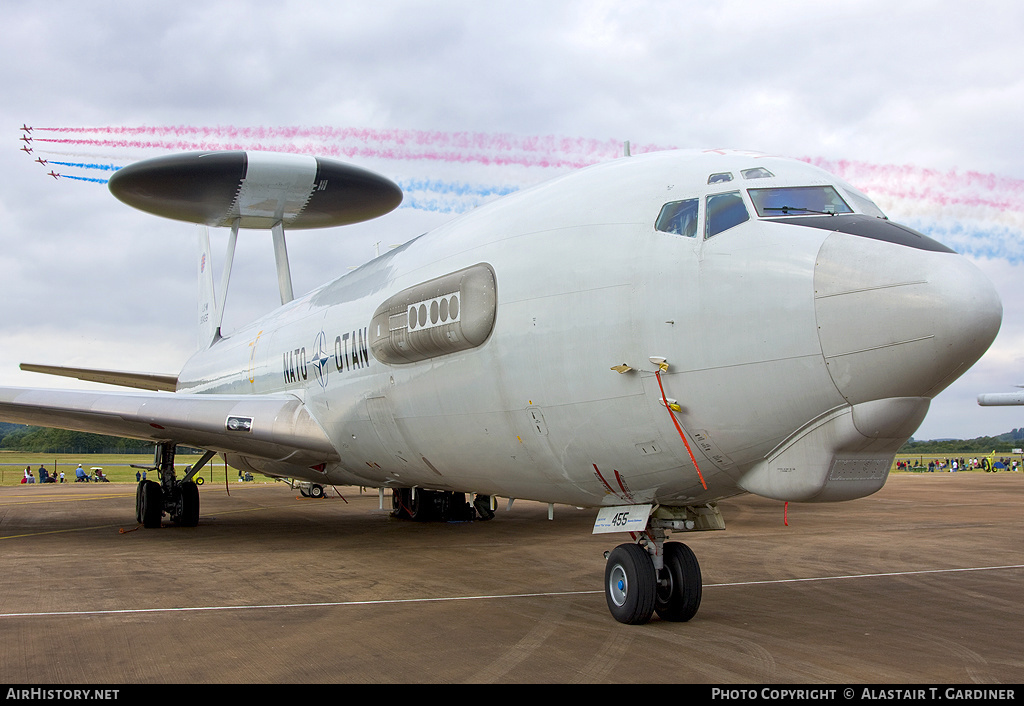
x=756, y=173
x=725, y=211
x=720, y=178
x=679, y=217
x=798, y=201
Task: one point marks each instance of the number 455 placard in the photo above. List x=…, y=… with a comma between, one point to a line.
x=622, y=518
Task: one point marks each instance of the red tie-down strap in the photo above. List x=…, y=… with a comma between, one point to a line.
x=679, y=429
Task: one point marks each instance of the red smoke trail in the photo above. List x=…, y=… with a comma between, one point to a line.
x=949, y=188
x=390, y=153
x=944, y=199
x=501, y=142
x=948, y=180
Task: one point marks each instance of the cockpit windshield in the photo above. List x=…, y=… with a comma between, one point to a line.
x=798, y=201
x=679, y=217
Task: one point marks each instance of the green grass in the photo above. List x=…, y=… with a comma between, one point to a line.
x=115, y=466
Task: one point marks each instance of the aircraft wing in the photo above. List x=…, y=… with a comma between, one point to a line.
x=272, y=426
x=142, y=381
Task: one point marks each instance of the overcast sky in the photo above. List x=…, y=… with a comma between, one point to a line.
x=921, y=104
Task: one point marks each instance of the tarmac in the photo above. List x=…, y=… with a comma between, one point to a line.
x=917, y=584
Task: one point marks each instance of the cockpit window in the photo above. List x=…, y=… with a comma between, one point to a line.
x=756, y=173
x=863, y=203
x=720, y=178
x=679, y=217
x=725, y=211
x=798, y=201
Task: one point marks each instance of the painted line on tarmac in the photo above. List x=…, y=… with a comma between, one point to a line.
x=272, y=606
x=867, y=576
x=399, y=601
x=25, y=500
x=41, y=533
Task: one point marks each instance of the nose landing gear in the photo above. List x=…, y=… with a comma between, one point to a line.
x=655, y=576
x=634, y=589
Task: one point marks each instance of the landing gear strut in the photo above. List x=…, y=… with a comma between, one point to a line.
x=179, y=499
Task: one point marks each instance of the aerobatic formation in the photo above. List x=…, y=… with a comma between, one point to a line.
x=647, y=336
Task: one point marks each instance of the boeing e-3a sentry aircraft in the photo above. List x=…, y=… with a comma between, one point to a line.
x=645, y=336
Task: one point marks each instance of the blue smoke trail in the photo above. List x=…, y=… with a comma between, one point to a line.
x=81, y=165
x=982, y=240
x=456, y=188
x=448, y=197
x=78, y=178
x=436, y=205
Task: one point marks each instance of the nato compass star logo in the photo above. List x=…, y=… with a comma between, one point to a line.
x=320, y=359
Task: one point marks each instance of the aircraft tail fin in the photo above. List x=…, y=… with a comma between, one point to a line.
x=209, y=314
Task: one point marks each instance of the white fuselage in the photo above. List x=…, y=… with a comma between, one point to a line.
x=800, y=358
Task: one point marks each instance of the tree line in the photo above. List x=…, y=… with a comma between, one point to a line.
x=1004, y=443
x=18, y=437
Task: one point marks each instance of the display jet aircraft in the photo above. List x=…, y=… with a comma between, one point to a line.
x=1001, y=399
x=645, y=336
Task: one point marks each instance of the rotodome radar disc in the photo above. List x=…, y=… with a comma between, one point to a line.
x=259, y=189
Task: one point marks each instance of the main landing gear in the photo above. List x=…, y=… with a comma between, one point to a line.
x=312, y=490
x=437, y=505
x=656, y=576
x=179, y=499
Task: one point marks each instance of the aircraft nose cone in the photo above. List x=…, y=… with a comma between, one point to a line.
x=898, y=321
